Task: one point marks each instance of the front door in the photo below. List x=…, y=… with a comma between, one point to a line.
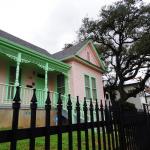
x=40, y=87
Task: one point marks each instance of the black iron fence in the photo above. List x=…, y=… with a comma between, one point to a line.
x=110, y=128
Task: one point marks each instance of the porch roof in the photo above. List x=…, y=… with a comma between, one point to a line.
x=24, y=43
x=11, y=46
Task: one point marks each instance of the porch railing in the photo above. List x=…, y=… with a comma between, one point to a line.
x=8, y=91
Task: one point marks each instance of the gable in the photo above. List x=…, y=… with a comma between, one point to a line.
x=89, y=54
x=84, y=52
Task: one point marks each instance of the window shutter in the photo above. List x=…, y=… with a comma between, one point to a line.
x=61, y=84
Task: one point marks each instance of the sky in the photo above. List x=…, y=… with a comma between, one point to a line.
x=48, y=24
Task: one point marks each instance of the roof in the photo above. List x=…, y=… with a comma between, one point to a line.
x=19, y=41
x=69, y=51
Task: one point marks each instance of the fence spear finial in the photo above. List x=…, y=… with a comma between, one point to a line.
x=101, y=104
x=34, y=99
x=91, y=104
x=85, y=104
x=69, y=104
x=48, y=101
x=17, y=95
x=78, y=100
x=96, y=105
x=59, y=100
x=77, y=103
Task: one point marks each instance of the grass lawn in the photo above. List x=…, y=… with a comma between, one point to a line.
x=24, y=144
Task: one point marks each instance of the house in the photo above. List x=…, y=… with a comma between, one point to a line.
x=86, y=70
x=77, y=71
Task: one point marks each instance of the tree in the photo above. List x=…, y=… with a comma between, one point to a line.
x=123, y=32
x=68, y=45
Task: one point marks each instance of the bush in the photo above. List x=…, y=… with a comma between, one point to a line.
x=126, y=106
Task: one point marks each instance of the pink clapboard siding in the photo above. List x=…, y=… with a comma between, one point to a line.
x=76, y=80
x=78, y=70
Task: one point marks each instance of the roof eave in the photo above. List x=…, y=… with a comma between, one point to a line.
x=27, y=50
x=85, y=62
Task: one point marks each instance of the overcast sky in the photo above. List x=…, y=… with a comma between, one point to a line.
x=48, y=24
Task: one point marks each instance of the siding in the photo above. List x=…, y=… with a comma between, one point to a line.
x=76, y=80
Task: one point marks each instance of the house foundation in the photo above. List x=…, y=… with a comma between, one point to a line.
x=24, y=118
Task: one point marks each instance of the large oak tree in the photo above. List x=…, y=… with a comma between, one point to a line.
x=122, y=32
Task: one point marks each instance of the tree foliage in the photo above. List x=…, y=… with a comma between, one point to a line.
x=123, y=32
x=68, y=45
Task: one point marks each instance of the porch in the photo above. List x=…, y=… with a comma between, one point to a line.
x=28, y=76
x=22, y=67
x=8, y=92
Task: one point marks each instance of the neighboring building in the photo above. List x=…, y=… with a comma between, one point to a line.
x=77, y=70
x=142, y=98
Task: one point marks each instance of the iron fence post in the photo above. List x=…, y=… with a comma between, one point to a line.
x=15, y=119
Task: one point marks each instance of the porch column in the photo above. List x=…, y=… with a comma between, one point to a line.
x=46, y=80
x=18, y=69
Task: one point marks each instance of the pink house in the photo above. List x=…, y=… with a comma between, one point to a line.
x=85, y=75
x=76, y=70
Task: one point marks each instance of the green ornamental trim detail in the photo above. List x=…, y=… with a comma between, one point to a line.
x=12, y=49
x=12, y=57
x=103, y=67
x=10, y=53
x=100, y=60
x=33, y=60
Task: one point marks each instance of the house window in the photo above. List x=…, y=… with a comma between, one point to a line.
x=87, y=87
x=61, y=84
x=90, y=87
x=94, y=91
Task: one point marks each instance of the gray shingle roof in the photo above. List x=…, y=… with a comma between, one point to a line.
x=19, y=41
x=69, y=51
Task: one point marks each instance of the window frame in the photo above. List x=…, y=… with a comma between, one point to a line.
x=94, y=88
x=90, y=87
x=87, y=87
